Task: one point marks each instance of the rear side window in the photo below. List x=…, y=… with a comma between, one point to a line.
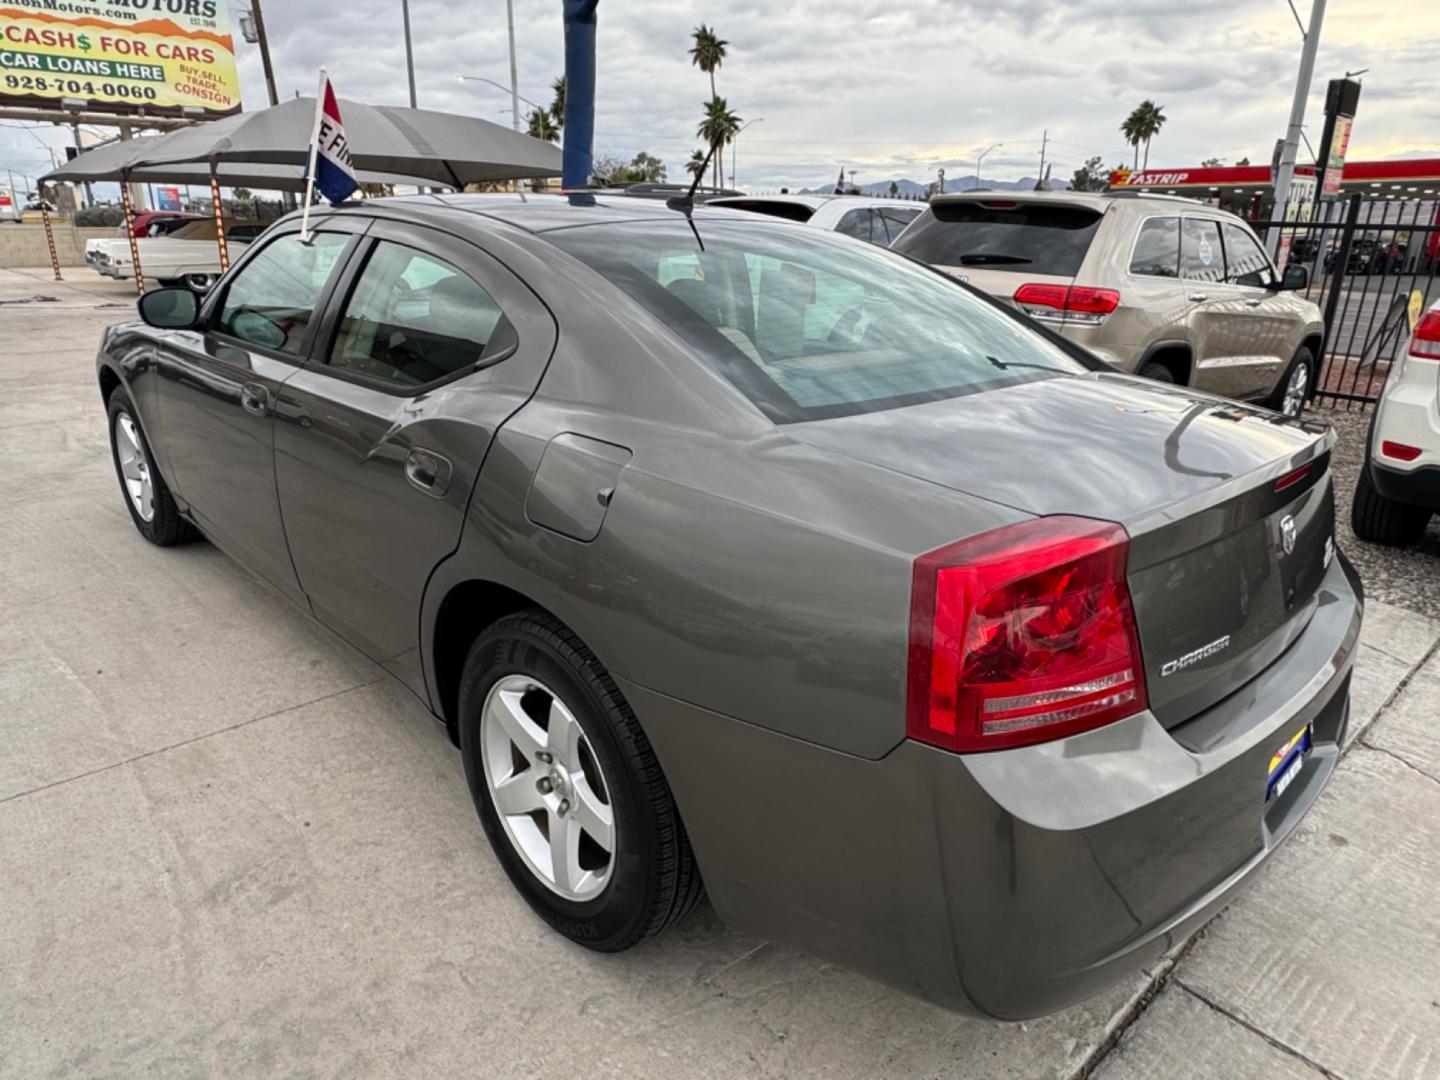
x=1245, y=262
x=1201, y=257
x=272, y=298
x=1027, y=238
x=413, y=320
x=889, y=224
x=855, y=223
x=1157, y=248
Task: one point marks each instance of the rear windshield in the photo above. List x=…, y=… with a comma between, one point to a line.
x=1028, y=238
x=809, y=325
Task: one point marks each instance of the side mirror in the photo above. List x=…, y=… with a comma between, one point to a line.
x=1296, y=277
x=170, y=309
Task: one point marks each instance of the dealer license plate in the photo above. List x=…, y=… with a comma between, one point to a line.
x=1286, y=763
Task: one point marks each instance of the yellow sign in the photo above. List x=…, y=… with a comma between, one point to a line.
x=1417, y=303
x=118, y=55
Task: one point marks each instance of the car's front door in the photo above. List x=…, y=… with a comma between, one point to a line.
x=1214, y=315
x=428, y=347
x=217, y=390
x=1267, y=325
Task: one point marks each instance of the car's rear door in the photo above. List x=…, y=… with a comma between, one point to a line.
x=218, y=388
x=428, y=347
x=1267, y=326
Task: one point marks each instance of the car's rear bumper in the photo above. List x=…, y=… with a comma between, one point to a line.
x=1414, y=487
x=1017, y=882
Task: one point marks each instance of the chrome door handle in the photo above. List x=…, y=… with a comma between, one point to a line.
x=255, y=399
x=1197, y=297
x=427, y=471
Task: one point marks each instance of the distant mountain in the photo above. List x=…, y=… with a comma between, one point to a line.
x=909, y=188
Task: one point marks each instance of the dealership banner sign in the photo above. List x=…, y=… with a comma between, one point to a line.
x=162, y=56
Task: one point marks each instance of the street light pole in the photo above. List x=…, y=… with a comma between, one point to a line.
x=264, y=43
x=735, y=146
x=1286, y=170
x=981, y=158
x=409, y=53
x=498, y=86
x=514, y=78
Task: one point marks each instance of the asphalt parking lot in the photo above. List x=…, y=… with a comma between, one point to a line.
x=230, y=847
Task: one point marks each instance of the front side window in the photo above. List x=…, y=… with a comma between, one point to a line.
x=1245, y=261
x=413, y=320
x=1157, y=248
x=272, y=298
x=1201, y=256
x=807, y=326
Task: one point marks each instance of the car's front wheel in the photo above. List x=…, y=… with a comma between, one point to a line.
x=568, y=788
x=200, y=283
x=147, y=496
x=1293, y=390
x=1382, y=520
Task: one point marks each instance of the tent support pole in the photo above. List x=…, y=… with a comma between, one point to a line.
x=219, y=220
x=49, y=233
x=129, y=208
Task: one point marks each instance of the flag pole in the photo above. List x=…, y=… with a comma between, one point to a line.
x=310, y=169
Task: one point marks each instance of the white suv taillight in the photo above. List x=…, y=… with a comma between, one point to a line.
x=1425, y=342
x=1067, y=303
x=1023, y=635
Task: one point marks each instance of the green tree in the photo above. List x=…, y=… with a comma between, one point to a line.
x=645, y=168
x=1243, y=161
x=542, y=126
x=1211, y=163
x=708, y=52
x=1131, y=130
x=1089, y=177
x=718, y=127
x=557, y=101
x=696, y=162
x=894, y=189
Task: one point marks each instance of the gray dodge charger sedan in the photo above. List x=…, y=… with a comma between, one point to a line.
x=768, y=559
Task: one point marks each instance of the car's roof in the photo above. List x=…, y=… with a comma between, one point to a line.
x=1099, y=201
x=543, y=212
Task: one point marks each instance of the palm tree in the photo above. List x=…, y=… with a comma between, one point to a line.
x=557, y=101
x=708, y=52
x=719, y=127
x=1152, y=119
x=542, y=126
x=1130, y=129
x=696, y=163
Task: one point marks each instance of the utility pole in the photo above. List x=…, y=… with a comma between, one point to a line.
x=1286, y=171
x=409, y=54
x=514, y=76
x=264, y=43
x=1044, y=141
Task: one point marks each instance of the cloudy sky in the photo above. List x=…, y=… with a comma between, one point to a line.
x=888, y=89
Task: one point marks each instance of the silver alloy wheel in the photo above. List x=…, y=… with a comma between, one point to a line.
x=134, y=466
x=1295, y=390
x=547, y=788
x=199, y=283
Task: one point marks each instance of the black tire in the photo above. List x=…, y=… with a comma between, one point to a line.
x=166, y=527
x=654, y=880
x=1303, y=357
x=1382, y=520
x=1158, y=372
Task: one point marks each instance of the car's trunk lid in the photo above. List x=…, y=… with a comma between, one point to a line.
x=1204, y=487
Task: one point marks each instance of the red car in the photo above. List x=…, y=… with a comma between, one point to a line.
x=167, y=220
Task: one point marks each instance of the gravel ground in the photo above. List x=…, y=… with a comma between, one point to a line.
x=1409, y=578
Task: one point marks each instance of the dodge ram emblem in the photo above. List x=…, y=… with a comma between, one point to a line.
x=1287, y=534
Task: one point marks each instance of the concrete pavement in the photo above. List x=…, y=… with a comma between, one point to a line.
x=230, y=847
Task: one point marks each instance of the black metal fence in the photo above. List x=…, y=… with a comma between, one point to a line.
x=1366, y=260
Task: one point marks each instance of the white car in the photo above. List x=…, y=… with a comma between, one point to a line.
x=1399, y=485
x=188, y=256
x=879, y=221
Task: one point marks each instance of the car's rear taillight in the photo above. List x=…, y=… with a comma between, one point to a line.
x=1022, y=635
x=1399, y=451
x=1425, y=342
x=1073, y=303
